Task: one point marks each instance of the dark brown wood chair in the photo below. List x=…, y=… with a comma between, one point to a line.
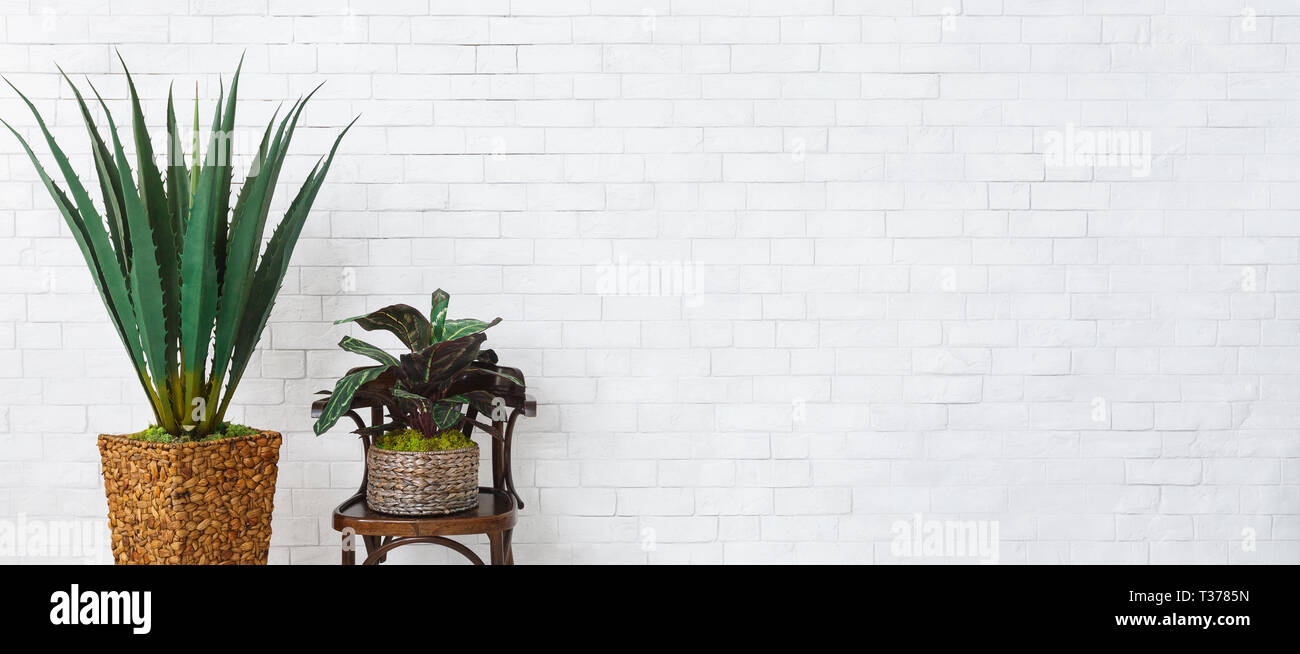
x=495, y=515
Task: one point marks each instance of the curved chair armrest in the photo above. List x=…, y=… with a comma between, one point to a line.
x=318, y=407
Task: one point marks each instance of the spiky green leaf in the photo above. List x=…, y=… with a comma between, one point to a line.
x=145, y=272
x=241, y=260
x=271, y=270
x=106, y=274
x=247, y=226
x=225, y=161
x=165, y=248
x=110, y=186
x=198, y=270
x=178, y=181
x=195, y=160
x=162, y=223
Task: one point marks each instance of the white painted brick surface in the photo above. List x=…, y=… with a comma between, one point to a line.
x=903, y=295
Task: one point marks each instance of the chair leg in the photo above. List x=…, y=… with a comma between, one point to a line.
x=497, y=547
x=373, y=543
x=349, y=549
x=508, y=557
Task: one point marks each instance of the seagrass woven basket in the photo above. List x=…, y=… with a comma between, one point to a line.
x=190, y=503
x=422, y=483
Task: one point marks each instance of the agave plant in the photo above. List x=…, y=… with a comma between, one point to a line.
x=426, y=388
x=177, y=268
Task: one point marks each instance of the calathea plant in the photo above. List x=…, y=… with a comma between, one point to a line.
x=425, y=388
x=176, y=265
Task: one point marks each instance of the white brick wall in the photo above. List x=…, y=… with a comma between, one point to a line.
x=905, y=291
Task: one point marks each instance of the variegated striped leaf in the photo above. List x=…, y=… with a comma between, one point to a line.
x=446, y=413
x=438, y=314
x=454, y=329
x=439, y=361
x=402, y=320
x=365, y=349
x=341, y=399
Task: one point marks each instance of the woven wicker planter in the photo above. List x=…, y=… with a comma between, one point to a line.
x=190, y=503
x=422, y=483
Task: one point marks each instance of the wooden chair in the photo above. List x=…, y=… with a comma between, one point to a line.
x=494, y=516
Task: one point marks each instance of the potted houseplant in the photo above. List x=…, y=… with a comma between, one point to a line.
x=420, y=462
x=178, y=270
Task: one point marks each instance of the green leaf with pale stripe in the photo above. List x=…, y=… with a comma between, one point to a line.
x=454, y=329
x=363, y=348
x=446, y=413
x=440, y=360
x=403, y=394
x=497, y=373
x=341, y=399
x=481, y=401
x=402, y=320
x=438, y=314
x=503, y=375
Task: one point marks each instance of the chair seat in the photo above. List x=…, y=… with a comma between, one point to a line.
x=495, y=512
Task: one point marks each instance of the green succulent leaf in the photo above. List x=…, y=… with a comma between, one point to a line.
x=110, y=185
x=223, y=159
x=178, y=181
x=145, y=274
x=199, y=272
x=194, y=148
x=163, y=226
x=179, y=273
x=110, y=281
x=274, y=264
x=245, y=240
